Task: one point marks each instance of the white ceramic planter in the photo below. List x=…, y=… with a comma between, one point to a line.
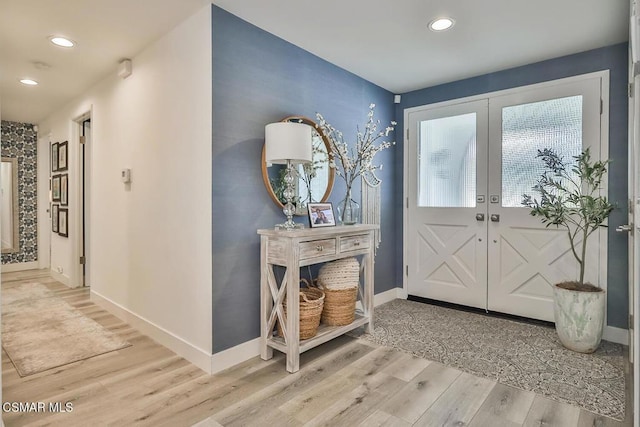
x=579, y=318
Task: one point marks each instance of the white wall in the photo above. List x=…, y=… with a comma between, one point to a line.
x=151, y=240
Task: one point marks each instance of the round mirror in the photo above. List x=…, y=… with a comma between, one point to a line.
x=314, y=181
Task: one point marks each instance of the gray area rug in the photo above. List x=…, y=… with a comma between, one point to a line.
x=522, y=355
x=41, y=331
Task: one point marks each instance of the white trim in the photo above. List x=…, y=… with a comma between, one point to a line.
x=617, y=335
x=20, y=266
x=516, y=89
x=235, y=355
x=386, y=296
x=62, y=278
x=182, y=348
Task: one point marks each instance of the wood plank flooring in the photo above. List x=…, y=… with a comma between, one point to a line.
x=345, y=382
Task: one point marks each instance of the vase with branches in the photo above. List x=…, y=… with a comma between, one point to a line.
x=352, y=161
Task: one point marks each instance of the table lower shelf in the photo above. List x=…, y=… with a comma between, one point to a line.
x=325, y=333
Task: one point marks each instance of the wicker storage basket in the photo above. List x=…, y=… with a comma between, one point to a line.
x=339, y=280
x=311, y=304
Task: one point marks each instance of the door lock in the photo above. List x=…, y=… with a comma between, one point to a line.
x=479, y=217
x=626, y=228
x=495, y=217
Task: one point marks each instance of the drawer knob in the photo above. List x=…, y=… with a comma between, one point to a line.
x=356, y=243
x=319, y=248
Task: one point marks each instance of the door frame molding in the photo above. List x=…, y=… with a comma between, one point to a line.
x=604, y=153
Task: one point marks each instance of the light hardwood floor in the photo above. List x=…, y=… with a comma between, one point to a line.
x=345, y=382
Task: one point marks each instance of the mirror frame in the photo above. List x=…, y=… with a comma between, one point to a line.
x=332, y=172
x=15, y=247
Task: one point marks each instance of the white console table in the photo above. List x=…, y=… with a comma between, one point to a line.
x=299, y=248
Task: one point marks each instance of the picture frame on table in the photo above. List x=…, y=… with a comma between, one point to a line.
x=64, y=189
x=54, y=218
x=63, y=156
x=321, y=215
x=54, y=157
x=55, y=188
x=63, y=222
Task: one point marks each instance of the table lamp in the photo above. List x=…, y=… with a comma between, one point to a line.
x=288, y=143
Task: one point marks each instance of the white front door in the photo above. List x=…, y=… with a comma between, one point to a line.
x=468, y=239
x=446, y=248
x=527, y=258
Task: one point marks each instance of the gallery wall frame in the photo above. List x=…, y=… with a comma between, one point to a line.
x=63, y=156
x=64, y=189
x=63, y=222
x=55, y=188
x=54, y=218
x=54, y=156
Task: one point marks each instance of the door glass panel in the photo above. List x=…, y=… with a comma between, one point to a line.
x=527, y=128
x=447, y=162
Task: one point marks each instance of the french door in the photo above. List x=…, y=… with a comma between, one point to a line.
x=468, y=239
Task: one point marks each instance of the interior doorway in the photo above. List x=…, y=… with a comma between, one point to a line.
x=84, y=178
x=469, y=162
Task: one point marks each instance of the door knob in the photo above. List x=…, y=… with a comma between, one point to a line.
x=479, y=217
x=626, y=228
x=495, y=217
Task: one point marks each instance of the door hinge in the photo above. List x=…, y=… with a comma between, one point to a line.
x=631, y=321
x=406, y=270
x=83, y=260
x=407, y=203
x=407, y=133
x=630, y=90
x=601, y=106
x=83, y=139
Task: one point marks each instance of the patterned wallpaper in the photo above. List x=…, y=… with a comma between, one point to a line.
x=20, y=140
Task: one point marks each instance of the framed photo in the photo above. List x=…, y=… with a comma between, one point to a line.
x=63, y=223
x=64, y=189
x=54, y=218
x=54, y=157
x=321, y=215
x=55, y=188
x=63, y=156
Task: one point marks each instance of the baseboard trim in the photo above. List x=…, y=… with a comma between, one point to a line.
x=617, y=335
x=65, y=280
x=20, y=266
x=385, y=297
x=182, y=348
x=235, y=355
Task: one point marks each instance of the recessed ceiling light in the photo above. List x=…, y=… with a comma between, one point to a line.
x=441, y=24
x=28, y=82
x=62, y=41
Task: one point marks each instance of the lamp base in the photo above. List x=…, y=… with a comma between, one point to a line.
x=289, y=227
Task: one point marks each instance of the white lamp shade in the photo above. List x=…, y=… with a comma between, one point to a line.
x=287, y=141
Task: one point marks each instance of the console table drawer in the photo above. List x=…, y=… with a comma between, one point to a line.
x=317, y=248
x=353, y=243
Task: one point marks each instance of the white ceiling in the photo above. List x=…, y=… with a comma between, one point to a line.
x=382, y=41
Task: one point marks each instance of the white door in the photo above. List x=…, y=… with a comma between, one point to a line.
x=527, y=258
x=446, y=247
x=468, y=239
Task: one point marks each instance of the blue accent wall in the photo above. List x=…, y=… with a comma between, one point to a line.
x=612, y=58
x=258, y=79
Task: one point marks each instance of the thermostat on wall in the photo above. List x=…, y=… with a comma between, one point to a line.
x=125, y=175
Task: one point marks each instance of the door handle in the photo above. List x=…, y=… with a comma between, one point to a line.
x=495, y=217
x=479, y=217
x=626, y=228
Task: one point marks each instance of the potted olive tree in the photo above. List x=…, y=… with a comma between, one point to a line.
x=569, y=199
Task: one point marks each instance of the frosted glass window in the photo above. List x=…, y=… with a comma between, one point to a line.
x=447, y=162
x=527, y=128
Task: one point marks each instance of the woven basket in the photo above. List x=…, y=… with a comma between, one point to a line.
x=339, y=306
x=311, y=304
x=340, y=274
